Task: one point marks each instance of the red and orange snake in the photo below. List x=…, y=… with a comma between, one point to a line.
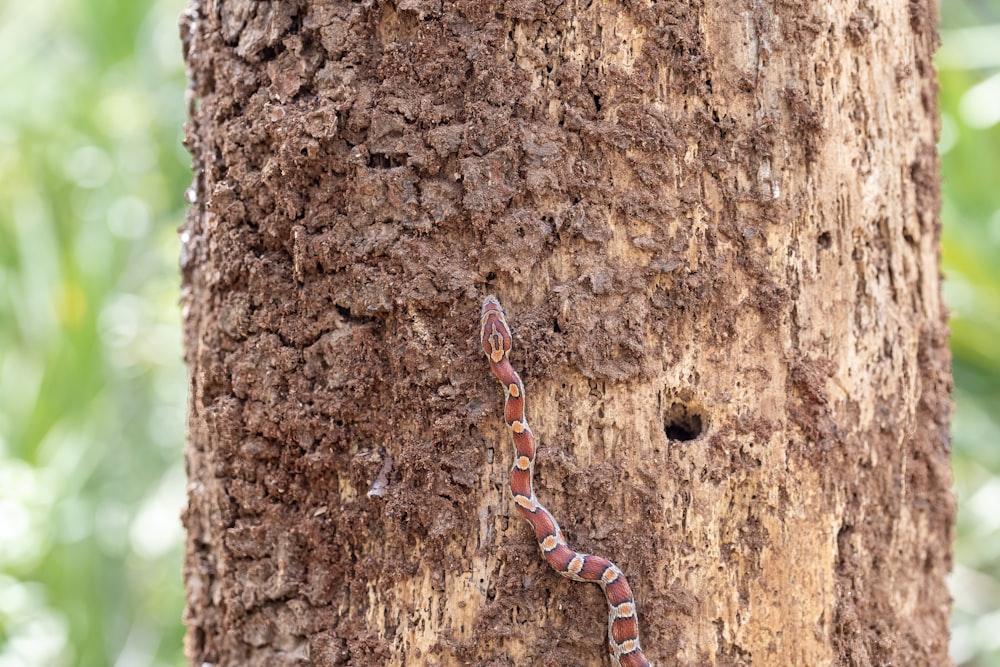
x=623, y=626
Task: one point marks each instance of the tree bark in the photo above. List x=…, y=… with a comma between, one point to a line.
x=714, y=228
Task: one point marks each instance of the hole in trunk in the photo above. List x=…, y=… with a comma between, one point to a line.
x=682, y=422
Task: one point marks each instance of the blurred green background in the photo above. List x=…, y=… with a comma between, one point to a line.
x=92, y=389
x=969, y=72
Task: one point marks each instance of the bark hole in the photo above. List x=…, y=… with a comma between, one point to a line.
x=386, y=160
x=683, y=422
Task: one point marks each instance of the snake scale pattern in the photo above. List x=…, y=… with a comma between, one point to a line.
x=623, y=625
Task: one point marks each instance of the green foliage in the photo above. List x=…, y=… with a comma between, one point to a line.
x=91, y=381
x=969, y=64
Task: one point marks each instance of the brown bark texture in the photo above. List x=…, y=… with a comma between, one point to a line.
x=714, y=227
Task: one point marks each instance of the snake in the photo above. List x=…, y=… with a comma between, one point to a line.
x=623, y=622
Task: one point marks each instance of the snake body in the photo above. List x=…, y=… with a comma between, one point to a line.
x=623, y=625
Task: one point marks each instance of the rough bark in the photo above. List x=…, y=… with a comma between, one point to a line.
x=714, y=228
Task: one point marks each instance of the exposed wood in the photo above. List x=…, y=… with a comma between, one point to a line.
x=715, y=231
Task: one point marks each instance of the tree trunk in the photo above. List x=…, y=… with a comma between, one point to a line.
x=714, y=228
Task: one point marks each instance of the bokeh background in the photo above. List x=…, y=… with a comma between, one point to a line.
x=92, y=387
x=969, y=73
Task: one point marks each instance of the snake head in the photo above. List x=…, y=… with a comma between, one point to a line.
x=493, y=330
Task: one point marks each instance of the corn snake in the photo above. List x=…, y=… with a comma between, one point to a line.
x=623, y=624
